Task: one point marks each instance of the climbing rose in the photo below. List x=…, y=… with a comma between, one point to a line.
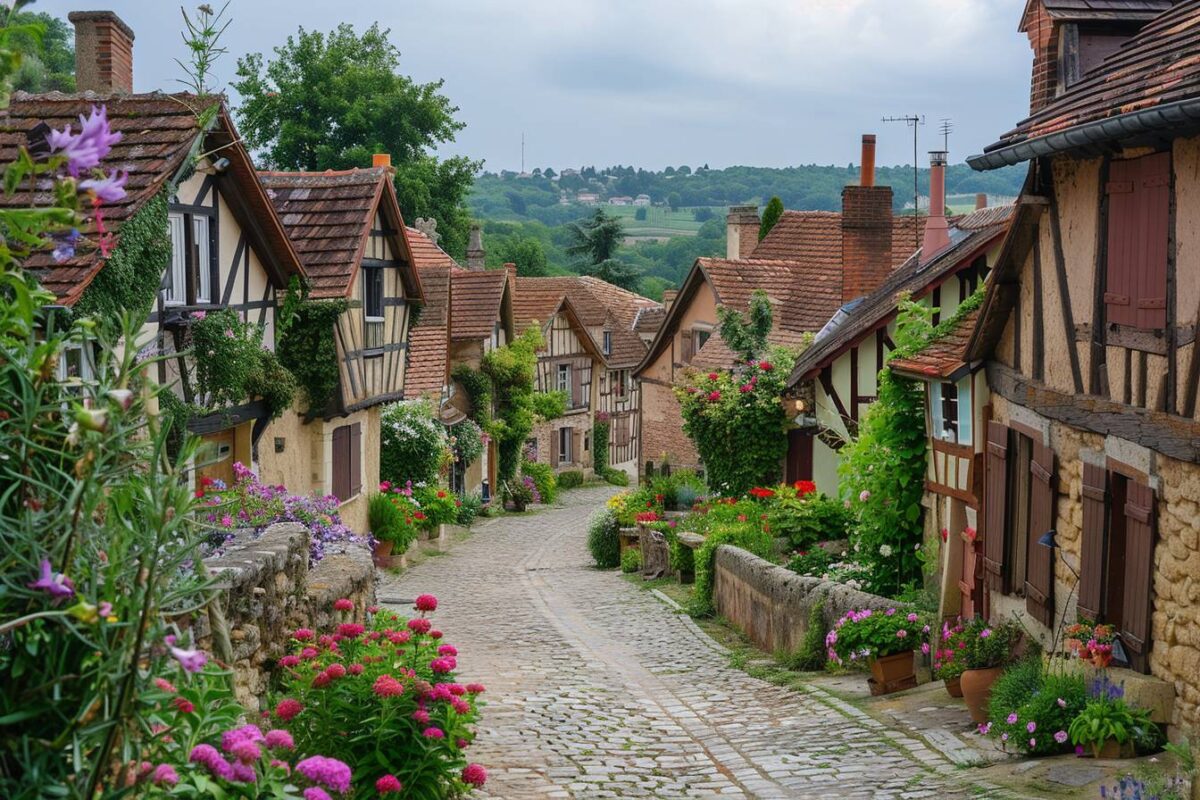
x=475, y=775
x=426, y=602
x=287, y=709
x=387, y=784
x=343, y=604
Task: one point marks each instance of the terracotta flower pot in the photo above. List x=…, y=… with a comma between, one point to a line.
x=1113, y=749
x=382, y=554
x=977, y=690
x=892, y=673
x=954, y=686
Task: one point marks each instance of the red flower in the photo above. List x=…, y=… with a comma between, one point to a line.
x=714, y=396
x=712, y=376
x=970, y=532
x=343, y=604
x=184, y=706
x=441, y=493
x=288, y=708
x=765, y=366
x=945, y=534
x=804, y=487
x=761, y=492
x=388, y=784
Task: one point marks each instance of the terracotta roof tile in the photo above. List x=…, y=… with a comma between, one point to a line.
x=425, y=252
x=429, y=339
x=649, y=320
x=476, y=298
x=816, y=237
x=944, y=355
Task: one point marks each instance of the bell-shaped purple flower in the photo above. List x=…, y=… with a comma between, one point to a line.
x=106, y=190
x=52, y=583
x=86, y=149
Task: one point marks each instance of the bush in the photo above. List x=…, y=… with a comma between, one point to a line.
x=439, y=506
x=413, y=447
x=813, y=563
x=604, y=539
x=617, y=477
x=390, y=517
x=570, y=479
x=550, y=405
x=466, y=441
x=544, y=479
x=383, y=704
x=631, y=560
x=682, y=557
x=600, y=444
x=811, y=656
x=1027, y=695
x=747, y=537
x=469, y=508
x=808, y=519
x=989, y=645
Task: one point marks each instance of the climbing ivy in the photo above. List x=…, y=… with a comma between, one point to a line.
x=600, y=444
x=232, y=364
x=479, y=393
x=306, y=345
x=133, y=272
x=511, y=370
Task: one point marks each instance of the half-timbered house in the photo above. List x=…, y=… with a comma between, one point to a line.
x=191, y=194
x=1088, y=331
x=348, y=231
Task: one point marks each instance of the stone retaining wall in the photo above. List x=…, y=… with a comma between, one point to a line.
x=771, y=604
x=267, y=590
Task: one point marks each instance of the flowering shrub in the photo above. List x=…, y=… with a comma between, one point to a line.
x=383, y=699
x=393, y=517
x=807, y=517
x=251, y=504
x=949, y=661
x=1030, y=709
x=466, y=441
x=232, y=364
x=1107, y=716
x=544, y=478
x=439, y=506
x=989, y=645
x=413, y=445
x=868, y=634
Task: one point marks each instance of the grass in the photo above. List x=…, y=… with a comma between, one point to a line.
x=660, y=221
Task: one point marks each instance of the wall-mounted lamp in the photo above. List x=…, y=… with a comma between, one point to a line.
x=220, y=165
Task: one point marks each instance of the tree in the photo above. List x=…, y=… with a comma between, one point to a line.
x=703, y=214
x=329, y=101
x=594, y=244
x=674, y=201
x=549, y=173
x=49, y=64
x=771, y=215
x=528, y=254
x=517, y=203
x=616, y=272
x=640, y=214
x=747, y=334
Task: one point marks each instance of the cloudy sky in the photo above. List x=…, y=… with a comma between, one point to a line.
x=755, y=82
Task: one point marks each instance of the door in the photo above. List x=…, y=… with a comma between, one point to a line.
x=216, y=456
x=799, y=456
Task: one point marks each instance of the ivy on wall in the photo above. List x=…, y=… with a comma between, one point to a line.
x=600, y=444
x=232, y=364
x=479, y=393
x=512, y=370
x=133, y=272
x=306, y=345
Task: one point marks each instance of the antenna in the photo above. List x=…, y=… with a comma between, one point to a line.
x=522, y=152
x=945, y=129
x=913, y=121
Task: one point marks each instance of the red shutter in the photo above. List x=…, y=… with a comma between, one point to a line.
x=355, y=456
x=1139, y=197
x=968, y=582
x=1139, y=566
x=341, y=462
x=1095, y=518
x=685, y=347
x=1039, y=575
x=995, y=509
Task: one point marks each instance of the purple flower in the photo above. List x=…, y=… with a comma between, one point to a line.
x=190, y=660
x=213, y=761
x=64, y=245
x=106, y=190
x=165, y=774
x=985, y=633
x=1060, y=737
x=327, y=771
x=985, y=729
x=87, y=148
x=316, y=793
x=52, y=583
x=1012, y=718
x=1061, y=703
x=1031, y=727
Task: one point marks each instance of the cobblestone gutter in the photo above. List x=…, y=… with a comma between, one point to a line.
x=267, y=590
x=771, y=604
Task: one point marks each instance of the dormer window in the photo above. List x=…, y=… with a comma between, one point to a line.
x=1081, y=49
x=189, y=280
x=373, y=318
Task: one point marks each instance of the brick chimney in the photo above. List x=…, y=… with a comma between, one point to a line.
x=980, y=200
x=866, y=230
x=937, y=230
x=476, y=255
x=103, y=52
x=741, y=231
x=669, y=296
x=382, y=160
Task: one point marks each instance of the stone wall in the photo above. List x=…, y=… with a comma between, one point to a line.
x=267, y=590
x=771, y=604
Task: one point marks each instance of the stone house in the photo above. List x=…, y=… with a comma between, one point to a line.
x=1087, y=333
x=224, y=246
x=347, y=228
x=810, y=264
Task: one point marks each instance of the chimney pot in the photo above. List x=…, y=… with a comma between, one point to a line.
x=867, y=168
x=741, y=231
x=381, y=160
x=937, y=230
x=980, y=200
x=866, y=239
x=103, y=52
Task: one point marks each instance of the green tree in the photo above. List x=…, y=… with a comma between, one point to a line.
x=747, y=334
x=674, y=201
x=511, y=371
x=527, y=253
x=771, y=215
x=47, y=64
x=640, y=214
x=616, y=272
x=595, y=239
x=329, y=101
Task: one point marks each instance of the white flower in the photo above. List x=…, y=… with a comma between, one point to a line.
x=885, y=550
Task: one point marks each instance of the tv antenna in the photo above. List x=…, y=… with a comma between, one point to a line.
x=913, y=121
x=522, y=152
x=945, y=129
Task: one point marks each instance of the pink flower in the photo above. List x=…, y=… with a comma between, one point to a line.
x=185, y=706
x=309, y=653
x=165, y=685
x=165, y=775
x=433, y=733
x=289, y=661
x=447, y=650
x=714, y=396
x=207, y=756
x=1061, y=703
x=985, y=729
x=190, y=660
x=387, y=686
x=280, y=740
x=343, y=604
x=426, y=602
x=440, y=666
x=421, y=716
x=419, y=625
x=864, y=496
x=712, y=376
x=900, y=634
x=1012, y=718
x=355, y=669
x=765, y=366
x=316, y=793
x=912, y=617
x=302, y=634
x=388, y=784
x=1060, y=737
x=1031, y=727
x=925, y=648
x=288, y=708
x=475, y=688
x=1032, y=742
x=350, y=630
x=246, y=751
x=328, y=772
x=985, y=633
x=460, y=706
x=475, y=775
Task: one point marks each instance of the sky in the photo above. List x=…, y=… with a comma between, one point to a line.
x=653, y=83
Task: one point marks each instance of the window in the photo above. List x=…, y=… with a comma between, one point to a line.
x=373, y=318
x=347, y=461
x=190, y=278
x=699, y=337
x=608, y=343
x=74, y=364
x=1139, y=203
x=620, y=380
x=564, y=445
x=950, y=411
x=564, y=380
x=587, y=441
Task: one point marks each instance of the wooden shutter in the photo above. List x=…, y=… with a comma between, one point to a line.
x=1139, y=199
x=554, y=434
x=341, y=462
x=577, y=398
x=1139, y=567
x=1095, y=519
x=355, y=456
x=576, y=446
x=968, y=581
x=685, y=347
x=995, y=509
x=1039, y=575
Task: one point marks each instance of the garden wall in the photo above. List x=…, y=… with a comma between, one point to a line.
x=770, y=604
x=267, y=590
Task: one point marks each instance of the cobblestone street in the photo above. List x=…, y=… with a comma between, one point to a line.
x=597, y=688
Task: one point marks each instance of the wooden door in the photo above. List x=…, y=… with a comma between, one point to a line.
x=216, y=457
x=799, y=456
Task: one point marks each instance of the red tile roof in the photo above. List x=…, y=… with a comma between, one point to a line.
x=816, y=237
x=804, y=295
x=158, y=132
x=476, y=298
x=942, y=356
x=429, y=339
x=425, y=252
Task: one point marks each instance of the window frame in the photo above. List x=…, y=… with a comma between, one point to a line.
x=562, y=379
x=374, y=281
x=564, y=445
x=197, y=271
x=607, y=338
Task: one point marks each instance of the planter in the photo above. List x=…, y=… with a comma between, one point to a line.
x=954, y=686
x=1112, y=749
x=892, y=673
x=977, y=690
x=382, y=554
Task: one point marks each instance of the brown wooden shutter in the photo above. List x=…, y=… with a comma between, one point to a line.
x=576, y=446
x=554, y=434
x=1139, y=567
x=1039, y=575
x=1095, y=517
x=685, y=347
x=341, y=462
x=995, y=509
x=577, y=398
x=355, y=456
x=1139, y=197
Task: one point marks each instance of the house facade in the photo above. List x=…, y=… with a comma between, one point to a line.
x=1087, y=333
x=346, y=227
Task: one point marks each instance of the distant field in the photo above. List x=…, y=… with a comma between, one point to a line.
x=659, y=221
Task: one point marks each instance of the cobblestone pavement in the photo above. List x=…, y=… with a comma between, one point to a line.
x=597, y=688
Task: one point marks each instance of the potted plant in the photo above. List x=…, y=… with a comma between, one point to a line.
x=948, y=659
x=987, y=648
x=1109, y=727
x=885, y=640
x=391, y=517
